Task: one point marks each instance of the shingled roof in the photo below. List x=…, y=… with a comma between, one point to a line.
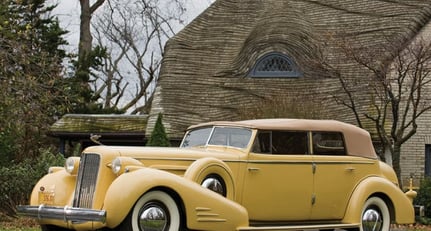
x=84, y=124
x=87, y=130
x=205, y=69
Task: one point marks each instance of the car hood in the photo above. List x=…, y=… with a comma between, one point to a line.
x=223, y=153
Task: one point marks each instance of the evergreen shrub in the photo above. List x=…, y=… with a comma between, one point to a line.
x=424, y=198
x=18, y=179
x=159, y=137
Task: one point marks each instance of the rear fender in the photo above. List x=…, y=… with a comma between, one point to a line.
x=401, y=207
x=204, y=209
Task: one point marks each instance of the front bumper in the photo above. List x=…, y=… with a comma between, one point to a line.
x=66, y=213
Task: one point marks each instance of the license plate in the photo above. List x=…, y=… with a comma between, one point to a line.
x=46, y=198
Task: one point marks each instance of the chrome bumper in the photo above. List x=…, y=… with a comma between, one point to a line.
x=62, y=213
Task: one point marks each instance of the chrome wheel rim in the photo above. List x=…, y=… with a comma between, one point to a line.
x=154, y=216
x=215, y=185
x=372, y=220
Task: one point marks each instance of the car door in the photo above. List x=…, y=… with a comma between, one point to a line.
x=278, y=181
x=335, y=175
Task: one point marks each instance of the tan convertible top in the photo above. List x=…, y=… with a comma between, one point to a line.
x=358, y=140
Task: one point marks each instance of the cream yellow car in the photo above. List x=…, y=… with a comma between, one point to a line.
x=269, y=174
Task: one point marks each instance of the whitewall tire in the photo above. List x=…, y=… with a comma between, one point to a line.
x=375, y=215
x=154, y=211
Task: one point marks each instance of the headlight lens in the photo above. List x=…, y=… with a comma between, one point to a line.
x=116, y=165
x=122, y=165
x=72, y=165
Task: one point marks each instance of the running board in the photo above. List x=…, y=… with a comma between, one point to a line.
x=300, y=227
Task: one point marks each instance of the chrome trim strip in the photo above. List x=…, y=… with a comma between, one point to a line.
x=300, y=227
x=62, y=213
x=282, y=160
x=306, y=162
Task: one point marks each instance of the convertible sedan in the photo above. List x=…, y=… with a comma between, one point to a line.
x=269, y=174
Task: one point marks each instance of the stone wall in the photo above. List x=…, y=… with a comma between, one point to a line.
x=413, y=152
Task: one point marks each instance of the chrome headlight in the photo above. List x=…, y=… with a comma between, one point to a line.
x=116, y=165
x=72, y=165
x=123, y=164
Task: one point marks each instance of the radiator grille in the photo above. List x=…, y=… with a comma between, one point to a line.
x=86, y=181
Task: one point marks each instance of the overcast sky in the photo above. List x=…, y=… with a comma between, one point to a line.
x=68, y=14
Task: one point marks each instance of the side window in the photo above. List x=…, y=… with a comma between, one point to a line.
x=286, y=142
x=262, y=144
x=328, y=143
x=281, y=142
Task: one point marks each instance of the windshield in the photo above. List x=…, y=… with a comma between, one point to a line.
x=223, y=136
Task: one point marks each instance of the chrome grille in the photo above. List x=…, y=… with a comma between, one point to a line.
x=86, y=181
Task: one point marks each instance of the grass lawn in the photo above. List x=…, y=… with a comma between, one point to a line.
x=19, y=229
x=18, y=224
x=411, y=228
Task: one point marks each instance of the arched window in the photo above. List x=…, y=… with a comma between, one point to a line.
x=275, y=64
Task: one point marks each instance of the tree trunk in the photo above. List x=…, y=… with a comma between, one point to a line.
x=85, y=41
x=396, y=162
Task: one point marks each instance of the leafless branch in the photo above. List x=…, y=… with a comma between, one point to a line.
x=135, y=33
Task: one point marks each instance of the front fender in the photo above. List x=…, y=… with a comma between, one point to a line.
x=402, y=207
x=60, y=182
x=204, y=209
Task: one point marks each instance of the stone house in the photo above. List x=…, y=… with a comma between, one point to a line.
x=239, y=54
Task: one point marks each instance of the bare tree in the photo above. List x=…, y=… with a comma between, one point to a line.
x=134, y=33
x=395, y=91
x=85, y=38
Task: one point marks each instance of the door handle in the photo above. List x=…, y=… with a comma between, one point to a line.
x=350, y=169
x=251, y=169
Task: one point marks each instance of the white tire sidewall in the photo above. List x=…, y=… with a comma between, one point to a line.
x=383, y=209
x=163, y=197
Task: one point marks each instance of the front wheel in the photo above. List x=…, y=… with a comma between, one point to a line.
x=154, y=211
x=375, y=215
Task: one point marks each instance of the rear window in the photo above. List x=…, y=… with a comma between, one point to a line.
x=328, y=143
x=297, y=143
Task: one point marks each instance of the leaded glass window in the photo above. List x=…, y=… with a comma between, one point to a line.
x=275, y=64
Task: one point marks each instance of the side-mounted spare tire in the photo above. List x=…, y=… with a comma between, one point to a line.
x=213, y=174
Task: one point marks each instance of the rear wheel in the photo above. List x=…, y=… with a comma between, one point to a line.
x=154, y=211
x=375, y=215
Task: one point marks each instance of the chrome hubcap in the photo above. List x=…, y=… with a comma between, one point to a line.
x=215, y=185
x=371, y=220
x=154, y=217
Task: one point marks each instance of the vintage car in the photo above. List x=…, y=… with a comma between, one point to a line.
x=269, y=174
